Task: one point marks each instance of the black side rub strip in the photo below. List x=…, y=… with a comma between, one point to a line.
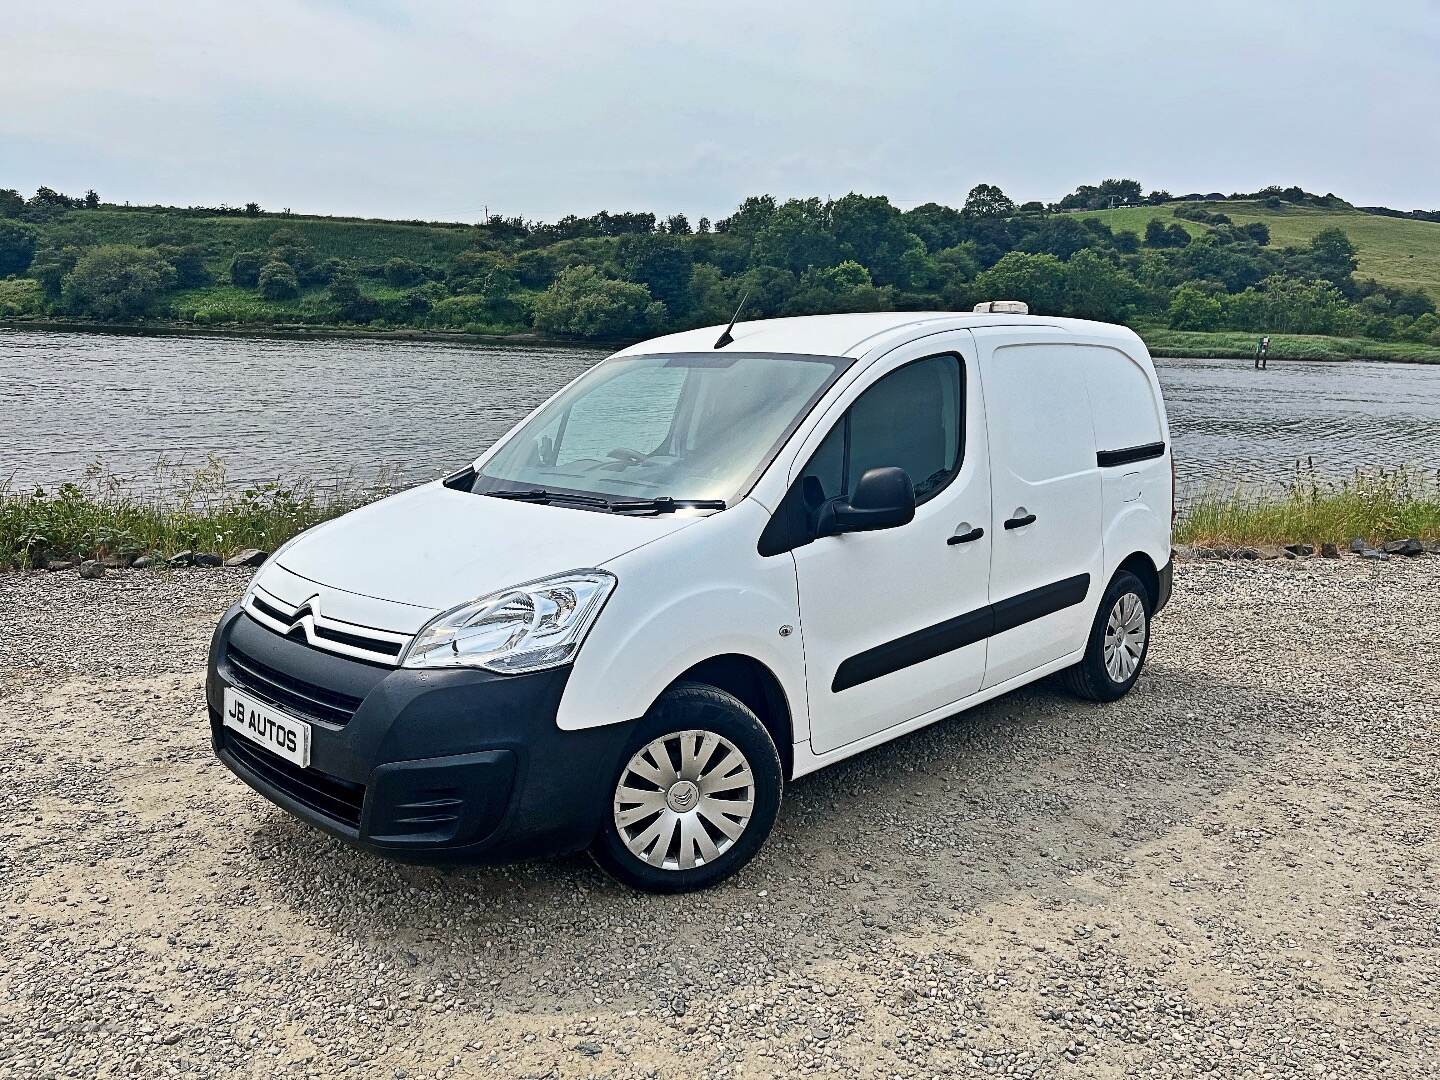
x=1107, y=458
x=956, y=633
x=1037, y=603
x=914, y=648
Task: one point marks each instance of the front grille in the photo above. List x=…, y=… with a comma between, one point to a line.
x=306, y=624
x=388, y=649
x=303, y=698
x=336, y=799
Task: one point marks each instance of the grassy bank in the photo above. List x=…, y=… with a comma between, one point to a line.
x=1376, y=506
x=172, y=511
x=1241, y=346
x=300, y=332
x=166, y=513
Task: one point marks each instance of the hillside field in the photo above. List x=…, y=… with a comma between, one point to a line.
x=341, y=238
x=1394, y=251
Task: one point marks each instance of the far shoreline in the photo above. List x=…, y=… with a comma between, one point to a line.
x=1162, y=343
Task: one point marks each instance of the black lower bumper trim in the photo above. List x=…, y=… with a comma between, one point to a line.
x=455, y=765
x=330, y=796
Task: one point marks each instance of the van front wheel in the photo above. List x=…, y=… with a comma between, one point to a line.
x=1118, y=643
x=696, y=796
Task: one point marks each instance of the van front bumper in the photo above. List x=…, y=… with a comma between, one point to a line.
x=454, y=765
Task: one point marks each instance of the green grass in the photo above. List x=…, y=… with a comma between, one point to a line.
x=359, y=241
x=224, y=303
x=1240, y=345
x=1376, y=505
x=1394, y=251
x=214, y=304
x=166, y=513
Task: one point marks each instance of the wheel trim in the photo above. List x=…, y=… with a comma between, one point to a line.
x=684, y=799
x=1125, y=633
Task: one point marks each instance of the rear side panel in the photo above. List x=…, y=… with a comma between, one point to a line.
x=1133, y=454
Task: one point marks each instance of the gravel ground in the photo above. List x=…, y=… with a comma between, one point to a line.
x=1229, y=873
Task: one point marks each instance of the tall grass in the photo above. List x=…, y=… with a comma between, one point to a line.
x=1376, y=505
x=168, y=511
x=172, y=510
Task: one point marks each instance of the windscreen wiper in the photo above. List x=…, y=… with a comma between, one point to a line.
x=543, y=495
x=665, y=505
x=662, y=505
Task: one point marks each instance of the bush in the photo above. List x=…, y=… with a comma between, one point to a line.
x=277, y=281
x=1258, y=231
x=245, y=269
x=351, y=304
x=117, y=282
x=1193, y=307
x=1096, y=289
x=1039, y=280
x=1289, y=305
x=585, y=303
x=21, y=296
x=403, y=272
x=189, y=265
x=17, y=248
x=407, y=308
x=1160, y=235
x=470, y=309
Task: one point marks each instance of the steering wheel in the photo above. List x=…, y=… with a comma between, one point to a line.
x=630, y=457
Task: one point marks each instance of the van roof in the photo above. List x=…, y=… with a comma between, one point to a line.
x=854, y=334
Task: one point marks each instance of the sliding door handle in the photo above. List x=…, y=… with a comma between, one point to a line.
x=1020, y=522
x=966, y=538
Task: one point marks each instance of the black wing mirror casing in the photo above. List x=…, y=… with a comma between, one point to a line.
x=883, y=498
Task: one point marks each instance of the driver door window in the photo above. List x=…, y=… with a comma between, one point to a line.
x=911, y=418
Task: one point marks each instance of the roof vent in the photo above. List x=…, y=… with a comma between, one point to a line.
x=1002, y=307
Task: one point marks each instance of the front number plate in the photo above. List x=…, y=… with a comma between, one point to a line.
x=280, y=734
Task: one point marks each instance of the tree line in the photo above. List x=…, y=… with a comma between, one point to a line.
x=613, y=276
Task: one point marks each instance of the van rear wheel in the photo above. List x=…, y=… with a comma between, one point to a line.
x=1118, y=644
x=696, y=796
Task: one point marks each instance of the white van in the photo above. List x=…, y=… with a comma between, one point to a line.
x=711, y=564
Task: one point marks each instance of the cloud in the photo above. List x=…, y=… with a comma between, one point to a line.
x=543, y=108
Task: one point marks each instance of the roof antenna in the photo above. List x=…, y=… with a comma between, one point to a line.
x=726, y=338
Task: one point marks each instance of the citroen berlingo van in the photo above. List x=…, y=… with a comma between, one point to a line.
x=713, y=563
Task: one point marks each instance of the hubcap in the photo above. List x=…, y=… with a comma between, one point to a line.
x=1124, y=637
x=684, y=799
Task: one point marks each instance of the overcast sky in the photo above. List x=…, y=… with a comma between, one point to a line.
x=541, y=108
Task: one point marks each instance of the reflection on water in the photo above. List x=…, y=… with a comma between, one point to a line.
x=276, y=408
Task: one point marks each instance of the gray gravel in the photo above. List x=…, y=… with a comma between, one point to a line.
x=1230, y=873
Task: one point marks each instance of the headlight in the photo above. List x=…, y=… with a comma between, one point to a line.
x=267, y=563
x=538, y=625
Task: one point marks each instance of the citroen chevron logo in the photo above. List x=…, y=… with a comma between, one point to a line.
x=310, y=609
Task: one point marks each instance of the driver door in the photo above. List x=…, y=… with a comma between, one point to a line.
x=895, y=621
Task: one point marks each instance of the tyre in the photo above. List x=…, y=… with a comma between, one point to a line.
x=696, y=795
x=1118, y=643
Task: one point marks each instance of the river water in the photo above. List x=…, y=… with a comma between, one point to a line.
x=413, y=410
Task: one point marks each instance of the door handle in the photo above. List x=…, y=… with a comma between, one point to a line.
x=1020, y=522
x=966, y=538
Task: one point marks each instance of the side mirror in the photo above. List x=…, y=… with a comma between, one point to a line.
x=883, y=499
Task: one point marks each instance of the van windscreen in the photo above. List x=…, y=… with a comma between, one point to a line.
x=687, y=426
